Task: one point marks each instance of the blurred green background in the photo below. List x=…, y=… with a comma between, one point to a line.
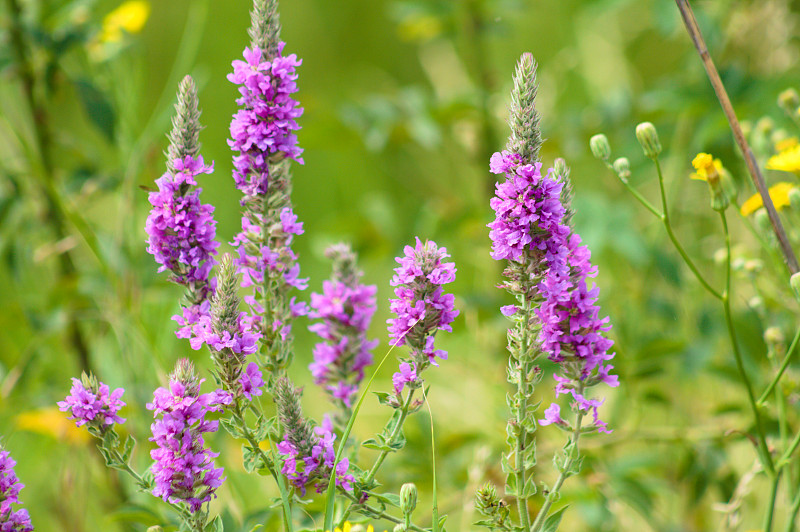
x=404, y=103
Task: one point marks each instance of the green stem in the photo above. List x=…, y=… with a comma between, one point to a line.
x=790, y=523
x=403, y=415
x=565, y=473
x=377, y=513
x=773, y=493
x=766, y=458
x=785, y=364
x=668, y=226
x=285, y=501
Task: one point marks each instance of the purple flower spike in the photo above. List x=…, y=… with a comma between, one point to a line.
x=10, y=486
x=184, y=468
x=550, y=265
x=91, y=402
x=345, y=307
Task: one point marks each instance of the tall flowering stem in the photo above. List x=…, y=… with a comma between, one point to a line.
x=181, y=231
x=262, y=134
x=11, y=520
x=345, y=308
x=184, y=468
x=556, y=313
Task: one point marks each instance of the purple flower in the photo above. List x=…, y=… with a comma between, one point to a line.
x=553, y=416
x=422, y=307
x=345, y=307
x=181, y=236
x=184, y=468
x=545, y=253
x=90, y=401
x=10, y=486
x=300, y=470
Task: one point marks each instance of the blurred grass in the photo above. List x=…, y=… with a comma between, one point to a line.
x=404, y=102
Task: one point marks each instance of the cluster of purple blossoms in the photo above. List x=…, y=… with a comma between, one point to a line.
x=262, y=132
x=91, y=402
x=10, y=486
x=529, y=226
x=421, y=306
x=181, y=236
x=345, y=307
x=266, y=123
x=300, y=470
x=184, y=468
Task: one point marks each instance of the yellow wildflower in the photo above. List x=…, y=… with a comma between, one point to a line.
x=347, y=527
x=50, y=422
x=706, y=165
x=786, y=160
x=130, y=17
x=786, y=144
x=778, y=193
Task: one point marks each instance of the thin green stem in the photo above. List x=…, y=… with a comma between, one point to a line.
x=562, y=477
x=254, y=444
x=790, y=523
x=785, y=364
x=668, y=226
x=377, y=513
x=773, y=494
x=766, y=458
x=395, y=432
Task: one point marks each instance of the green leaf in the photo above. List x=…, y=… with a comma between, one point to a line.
x=552, y=522
x=97, y=107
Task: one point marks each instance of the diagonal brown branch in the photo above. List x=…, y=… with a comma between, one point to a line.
x=752, y=166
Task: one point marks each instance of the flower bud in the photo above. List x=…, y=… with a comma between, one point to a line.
x=600, y=147
x=794, y=282
x=762, y=220
x=623, y=168
x=408, y=498
x=647, y=136
x=794, y=199
x=789, y=100
x=774, y=337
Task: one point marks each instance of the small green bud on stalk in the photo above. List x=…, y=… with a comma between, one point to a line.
x=789, y=100
x=408, y=498
x=762, y=220
x=600, y=147
x=647, y=136
x=794, y=282
x=622, y=167
x=794, y=199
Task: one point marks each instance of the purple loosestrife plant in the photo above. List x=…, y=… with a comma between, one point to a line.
x=184, y=469
x=556, y=313
x=307, y=451
x=181, y=231
x=345, y=307
x=11, y=520
x=262, y=134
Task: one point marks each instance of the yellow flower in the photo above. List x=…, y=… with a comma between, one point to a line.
x=706, y=165
x=786, y=144
x=130, y=17
x=50, y=422
x=779, y=193
x=347, y=527
x=787, y=160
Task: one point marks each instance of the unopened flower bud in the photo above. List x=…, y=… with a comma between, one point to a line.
x=647, y=136
x=794, y=282
x=623, y=168
x=600, y=147
x=774, y=337
x=789, y=100
x=408, y=498
x=794, y=199
x=762, y=220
